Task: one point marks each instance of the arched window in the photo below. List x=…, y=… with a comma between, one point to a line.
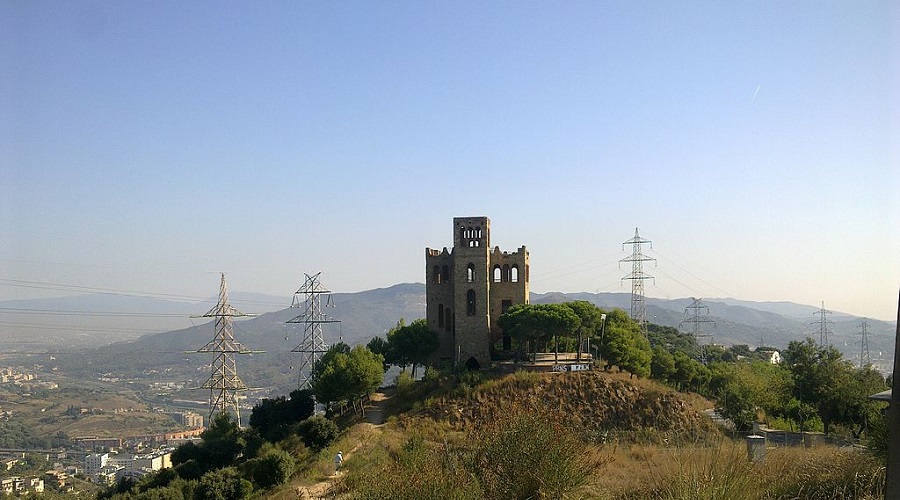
x=448, y=319
x=497, y=276
x=470, y=302
x=506, y=272
x=445, y=274
x=470, y=273
x=514, y=274
x=436, y=274
x=440, y=315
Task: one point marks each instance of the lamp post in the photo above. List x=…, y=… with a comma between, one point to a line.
x=602, y=329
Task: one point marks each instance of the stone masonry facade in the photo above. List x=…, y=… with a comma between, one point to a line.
x=467, y=289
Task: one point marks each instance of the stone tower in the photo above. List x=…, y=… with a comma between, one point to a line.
x=467, y=289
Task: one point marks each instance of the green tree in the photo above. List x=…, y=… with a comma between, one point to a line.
x=821, y=378
x=341, y=376
x=672, y=340
x=411, y=344
x=686, y=371
x=737, y=405
x=624, y=346
x=224, y=484
x=317, y=432
x=378, y=345
x=274, y=418
x=532, y=323
x=223, y=442
x=273, y=468
x=662, y=365
x=590, y=321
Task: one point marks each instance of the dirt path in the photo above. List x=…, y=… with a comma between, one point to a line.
x=374, y=420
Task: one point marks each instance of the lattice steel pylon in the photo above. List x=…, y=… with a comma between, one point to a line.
x=864, y=358
x=313, y=345
x=697, y=319
x=224, y=383
x=637, y=277
x=823, y=325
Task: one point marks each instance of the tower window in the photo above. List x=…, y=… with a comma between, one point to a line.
x=445, y=274
x=506, y=272
x=470, y=302
x=514, y=274
x=448, y=319
x=497, y=274
x=436, y=274
x=440, y=315
x=470, y=273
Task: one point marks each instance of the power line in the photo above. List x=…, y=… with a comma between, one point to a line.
x=313, y=345
x=224, y=383
x=63, y=287
x=823, y=323
x=698, y=316
x=637, y=277
x=864, y=358
x=47, y=326
x=112, y=314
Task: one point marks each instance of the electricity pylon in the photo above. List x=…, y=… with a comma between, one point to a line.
x=637, y=277
x=224, y=383
x=864, y=358
x=823, y=325
x=697, y=319
x=313, y=345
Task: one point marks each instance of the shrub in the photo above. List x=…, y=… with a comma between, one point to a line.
x=223, y=484
x=530, y=456
x=877, y=437
x=317, y=432
x=717, y=473
x=432, y=375
x=272, y=469
x=826, y=473
x=404, y=382
x=416, y=471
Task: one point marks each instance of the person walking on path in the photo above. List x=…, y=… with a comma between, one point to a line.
x=338, y=461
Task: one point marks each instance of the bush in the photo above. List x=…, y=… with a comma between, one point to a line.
x=404, y=382
x=530, y=456
x=224, y=484
x=416, y=471
x=827, y=473
x=877, y=437
x=317, y=432
x=272, y=469
x=432, y=375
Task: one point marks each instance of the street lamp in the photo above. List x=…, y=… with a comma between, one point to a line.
x=602, y=329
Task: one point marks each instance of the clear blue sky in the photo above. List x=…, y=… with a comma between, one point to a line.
x=146, y=145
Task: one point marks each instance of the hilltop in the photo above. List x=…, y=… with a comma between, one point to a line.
x=597, y=405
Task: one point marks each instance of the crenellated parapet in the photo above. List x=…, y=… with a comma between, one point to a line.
x=467, y=288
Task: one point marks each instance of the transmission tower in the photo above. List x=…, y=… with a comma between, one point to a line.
x=313, y=345
x=864, y=358
x=697, y=317
x=823, y=325
x=637, y=277
x=224, y=383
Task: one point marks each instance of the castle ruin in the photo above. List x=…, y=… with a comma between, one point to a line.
x=467, y=289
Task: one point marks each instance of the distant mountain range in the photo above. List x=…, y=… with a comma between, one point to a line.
x=117, y=346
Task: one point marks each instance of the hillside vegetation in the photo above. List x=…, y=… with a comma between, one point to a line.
x=598, y=406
